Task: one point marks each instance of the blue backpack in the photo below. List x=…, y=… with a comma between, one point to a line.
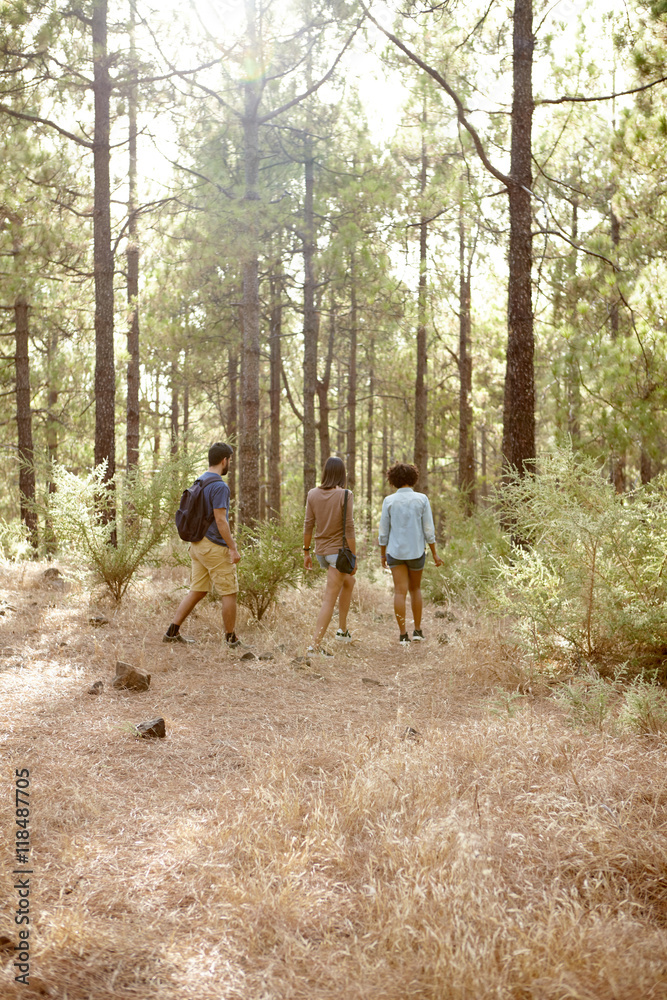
x=192, y=521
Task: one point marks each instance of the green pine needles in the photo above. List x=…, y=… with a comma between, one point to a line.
x=590, y=579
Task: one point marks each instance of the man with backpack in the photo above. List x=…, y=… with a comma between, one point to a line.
x=202, y=520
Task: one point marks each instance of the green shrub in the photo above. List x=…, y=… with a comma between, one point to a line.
x=14, y=543
x=80, y=512
x=271, y=559
x=590, y=579
x=645, y=709
x=588, y=700
x=470, y=551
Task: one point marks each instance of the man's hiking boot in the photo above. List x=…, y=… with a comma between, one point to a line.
x=343, y=636
x=404, y=639
x=418, y=635
x=232, y=640
x=178, y=638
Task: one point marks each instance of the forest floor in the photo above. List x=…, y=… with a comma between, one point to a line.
x=393, y=823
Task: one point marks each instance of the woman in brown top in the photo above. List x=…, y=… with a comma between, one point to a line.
x=324, y=510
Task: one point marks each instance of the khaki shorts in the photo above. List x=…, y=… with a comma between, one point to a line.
x=212, y=564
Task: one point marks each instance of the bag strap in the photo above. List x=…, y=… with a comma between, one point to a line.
x=345, y=518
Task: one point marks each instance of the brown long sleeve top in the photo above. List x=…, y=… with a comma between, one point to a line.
x=324, y=509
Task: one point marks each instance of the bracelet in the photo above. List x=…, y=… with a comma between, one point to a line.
x=306, y=549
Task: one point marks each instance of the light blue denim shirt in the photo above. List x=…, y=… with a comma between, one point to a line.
x=406, y=524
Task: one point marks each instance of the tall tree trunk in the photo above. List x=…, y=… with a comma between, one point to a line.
x=351, y=459
x=275, y=362
x=50, y=540
x=174, y=410
x=186, y=402
x=573, y=379
x=156, y=422
x=519, y=402
x=466, y=440
x=323, y=385
x=421, y=398
x=385, y=450
x=341, y=429
x=369, y=455
x=232, y=421
x=248, y=464
x=105, y=377
x=618, y=463
x=24, y=421
x=310, y=327
x=132, y=253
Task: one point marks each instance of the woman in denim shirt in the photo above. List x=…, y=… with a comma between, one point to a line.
x=406, y=526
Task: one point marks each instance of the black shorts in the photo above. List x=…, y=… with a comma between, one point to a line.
x=410, y=563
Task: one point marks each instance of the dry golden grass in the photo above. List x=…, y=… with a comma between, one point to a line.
x=289, y=840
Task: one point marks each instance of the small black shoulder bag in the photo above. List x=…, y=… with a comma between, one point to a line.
x=346, y=560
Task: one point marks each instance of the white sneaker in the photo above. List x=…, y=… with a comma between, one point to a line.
x=318, y=651
x=343, y=636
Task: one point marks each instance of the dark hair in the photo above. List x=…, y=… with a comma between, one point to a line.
x=401, y=474
x=333, y=473
x=218, y=451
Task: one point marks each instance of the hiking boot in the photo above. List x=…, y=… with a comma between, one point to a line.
x=178, y=638
x=318, y=651
x=232, y=640
x=343, y=636
x=417, y=635
x=404, y=639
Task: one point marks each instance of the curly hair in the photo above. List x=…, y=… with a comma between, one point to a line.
x=401, y=474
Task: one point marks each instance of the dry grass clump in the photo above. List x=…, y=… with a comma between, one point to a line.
x=303, y=833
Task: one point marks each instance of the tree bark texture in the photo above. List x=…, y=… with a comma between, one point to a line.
x=132, y=254
x=519, y=403
x=466, y=477
x=310, y=330
x=323, y=385
x=174, y=410
x=105, y=376
x=369, y=455
x=421, y=397
x=24, y=420
x=232, y=422
x=275, y=362
x=351, y=458
x=248, y=463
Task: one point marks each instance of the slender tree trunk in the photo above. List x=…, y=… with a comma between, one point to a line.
x=369, y=455
x=573, y=381
x=133, y=373
x=323, y=385
x=105, y=377
x=248, y=463
x=519, y=403
x=385, y=450
x=232, y=420
x=618, y=462
x=485, y=484
x=466, y=439
x=275, y=361
x=341, y=430
x=156, y=423
x=50, y=540
x=174, y=410
x=186, y=402
x=310, y=328
x=24, y=420
x=421, y=398
x=645, y=466
x=352, y=382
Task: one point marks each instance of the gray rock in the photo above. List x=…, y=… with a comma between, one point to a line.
x=154, y=728
x=266, y=656
x=52, y=573
x=129, y=679
x=410, y=734
x=443, y=640
x=372, y=682
x=96, y=688
x=248, y=656
x=98, y=620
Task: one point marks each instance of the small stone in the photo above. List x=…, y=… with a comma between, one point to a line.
x=301, y=662
x=154, y=728
x=98, y=620
x=410, y=734
x=439, y=614
x=371, y=681
x=248, y=656
x=443, y=640
x=96, y=688
x=266, y=656
x=127, y=678
x=52, y=573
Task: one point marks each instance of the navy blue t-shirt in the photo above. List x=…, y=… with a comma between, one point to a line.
x=215, y=496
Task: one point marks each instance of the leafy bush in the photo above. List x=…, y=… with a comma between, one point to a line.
x=590, y=579
x=588, y=700
x=80, y=512
x=14, y=543
x=645, y=708
x=271, y=559
x=470, y=553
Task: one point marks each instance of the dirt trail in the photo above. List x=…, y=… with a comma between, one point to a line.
x=235, y=859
